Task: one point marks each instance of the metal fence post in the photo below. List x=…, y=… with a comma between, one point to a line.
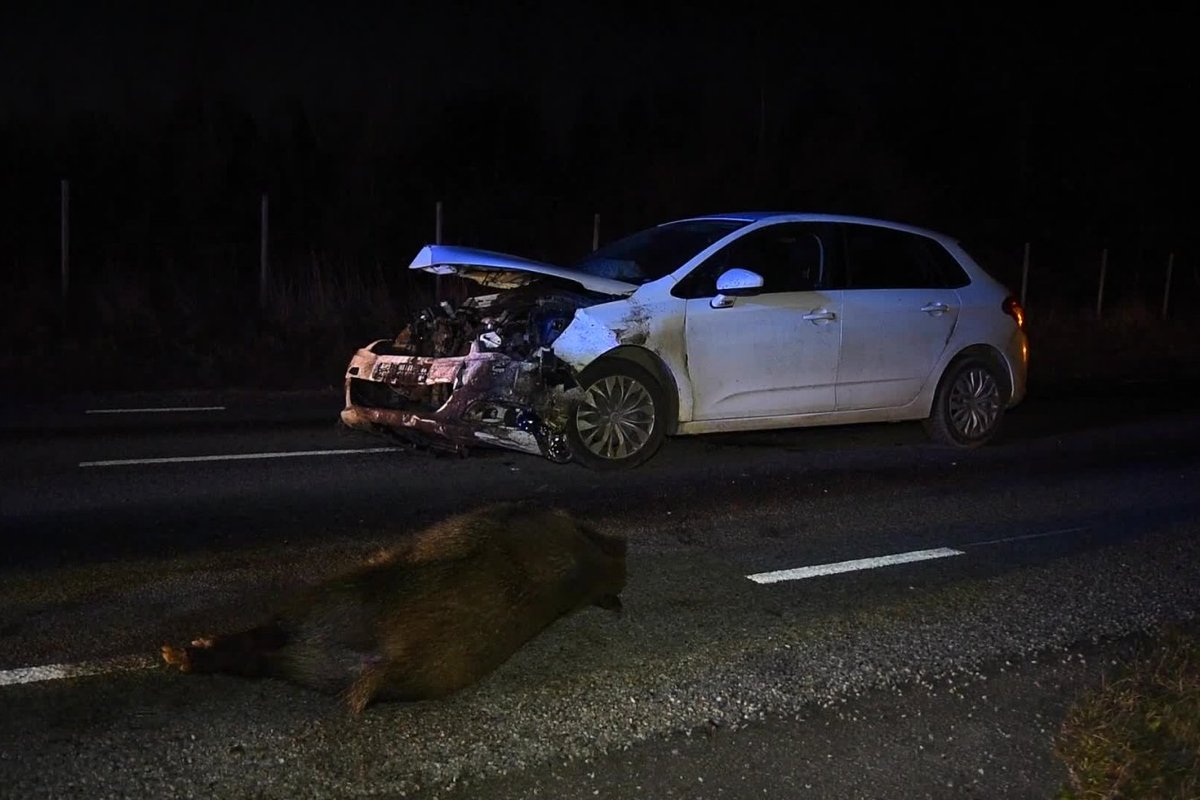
x=263, y=273
x=1167, y=285
x=64, y=240
x=1024, y=274
x=437, y=239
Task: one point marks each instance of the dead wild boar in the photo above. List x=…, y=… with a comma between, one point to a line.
x=433, y=615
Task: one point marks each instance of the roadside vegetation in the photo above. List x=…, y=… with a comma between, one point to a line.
x=1138, y=734
x=195, y=330
x=152, y=220
x=1130, y=343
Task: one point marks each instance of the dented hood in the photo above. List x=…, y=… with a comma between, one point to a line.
x=501, y=271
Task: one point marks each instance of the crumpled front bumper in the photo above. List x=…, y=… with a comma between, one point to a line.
x=484, y=398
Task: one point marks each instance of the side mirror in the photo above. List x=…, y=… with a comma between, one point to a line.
x=736, y=283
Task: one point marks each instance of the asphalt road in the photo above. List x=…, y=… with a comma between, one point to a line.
x=125, y=530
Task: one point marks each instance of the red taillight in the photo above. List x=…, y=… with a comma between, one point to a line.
x=1012, y=307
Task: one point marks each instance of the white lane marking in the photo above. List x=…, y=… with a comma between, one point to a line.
x=55, y=672
x=1059, y=532
x=800, y=573
x=125, y=462
x=152, y=410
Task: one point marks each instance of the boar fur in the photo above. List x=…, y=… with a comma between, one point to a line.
x=432, y=616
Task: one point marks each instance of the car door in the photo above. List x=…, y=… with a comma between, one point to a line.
x=899, y=309
x=774, y=353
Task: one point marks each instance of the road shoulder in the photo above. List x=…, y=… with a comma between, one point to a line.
x=984, y=733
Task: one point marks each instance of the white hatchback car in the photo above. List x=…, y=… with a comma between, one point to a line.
x=728, y=322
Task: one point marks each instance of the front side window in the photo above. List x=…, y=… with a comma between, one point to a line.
x=790, y=257
x=885, y=258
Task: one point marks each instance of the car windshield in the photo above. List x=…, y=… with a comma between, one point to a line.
x=650, y=254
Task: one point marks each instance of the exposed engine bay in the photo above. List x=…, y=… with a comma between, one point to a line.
x=480, y=372
x=516, y=323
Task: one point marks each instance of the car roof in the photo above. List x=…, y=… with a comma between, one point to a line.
x=798, y=216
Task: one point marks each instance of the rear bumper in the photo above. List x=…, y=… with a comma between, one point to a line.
x=1017, y=354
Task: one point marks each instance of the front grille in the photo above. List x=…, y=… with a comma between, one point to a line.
x=412, y=373
x=372, y=394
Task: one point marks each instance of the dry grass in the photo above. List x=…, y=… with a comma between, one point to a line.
x=181, y=328
x=1138, y=735
x=1130, y=342
x=195, y=329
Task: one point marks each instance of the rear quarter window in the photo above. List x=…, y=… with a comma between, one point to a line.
x=885, y=258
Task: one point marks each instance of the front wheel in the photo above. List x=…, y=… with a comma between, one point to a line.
x=969, y=404
x=620, y=419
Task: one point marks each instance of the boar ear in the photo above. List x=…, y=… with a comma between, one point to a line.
x=609, y=602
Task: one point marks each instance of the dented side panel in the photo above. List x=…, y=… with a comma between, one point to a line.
x=585, y=339
x=652, y=319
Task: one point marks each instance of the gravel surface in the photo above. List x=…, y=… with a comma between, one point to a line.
x=988, y=734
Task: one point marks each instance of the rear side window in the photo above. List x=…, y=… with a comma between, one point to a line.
x=790, y=257
x=884, y=258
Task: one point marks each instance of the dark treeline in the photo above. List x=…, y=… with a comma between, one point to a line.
x=991, y=128
x=182, y=186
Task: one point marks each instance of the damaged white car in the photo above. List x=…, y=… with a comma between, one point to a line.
x=723, y=323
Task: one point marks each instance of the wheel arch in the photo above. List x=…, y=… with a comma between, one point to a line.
x=652, y=363
x=985, y=352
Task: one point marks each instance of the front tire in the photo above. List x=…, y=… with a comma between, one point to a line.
x=969, y=405
x=620, y=421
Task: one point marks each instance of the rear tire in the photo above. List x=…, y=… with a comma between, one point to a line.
x=969, y=405
x=620, y=421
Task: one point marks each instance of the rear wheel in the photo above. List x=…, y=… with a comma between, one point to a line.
x=969, y=404
x=620, y=420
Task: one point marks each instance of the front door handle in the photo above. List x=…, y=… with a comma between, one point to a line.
x=819, y=314
x=934, y=309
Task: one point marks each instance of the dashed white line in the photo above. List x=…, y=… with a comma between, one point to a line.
x=171, y=409
x=55, y=672
x=126, y=462
x=801, y=573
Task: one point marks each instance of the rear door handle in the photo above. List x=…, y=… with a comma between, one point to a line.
x=935, y=308
x=818, y=314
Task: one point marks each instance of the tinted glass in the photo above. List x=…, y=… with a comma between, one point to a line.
x=883, y=258
x=650, y=254
x=790, y=256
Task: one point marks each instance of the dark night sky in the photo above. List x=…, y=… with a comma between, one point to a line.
x=89, y=56
x=978, y=113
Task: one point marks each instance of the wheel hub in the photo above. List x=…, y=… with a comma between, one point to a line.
x=974, y=403
x=615, y=418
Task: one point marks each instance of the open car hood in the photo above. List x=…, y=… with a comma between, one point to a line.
x=501, y=271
